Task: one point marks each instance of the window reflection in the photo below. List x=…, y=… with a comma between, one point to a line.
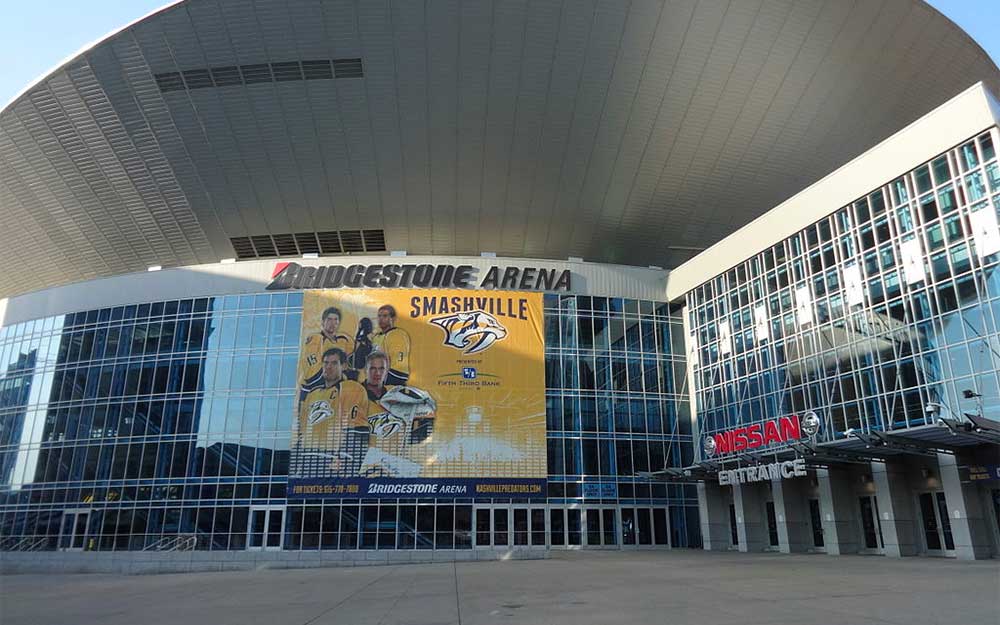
x=913, y=331
x=190, y=402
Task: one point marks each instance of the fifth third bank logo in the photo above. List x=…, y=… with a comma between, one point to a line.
x=472, y=332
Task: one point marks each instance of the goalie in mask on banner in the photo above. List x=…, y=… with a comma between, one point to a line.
x=400, y=418
x=347, y=429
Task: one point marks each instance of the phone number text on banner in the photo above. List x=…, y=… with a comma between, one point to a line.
x=348, y=488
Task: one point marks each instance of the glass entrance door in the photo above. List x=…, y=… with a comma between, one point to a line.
x=501, y=527
x=73, y=533
x=522, y=527
x=644, y=527
x=609, y=526
x=602, y=528
x=734, y=532
x=817, y=524
x=509, y=526
x=936, y=524
x=566, y=527
x=772, y=525
x=871, y=525
x=538, y=534
x=267, y=528
x=574, y=527
x=484, y=523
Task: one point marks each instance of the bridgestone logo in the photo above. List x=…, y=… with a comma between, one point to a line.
x=294, y=276
x=402, y=489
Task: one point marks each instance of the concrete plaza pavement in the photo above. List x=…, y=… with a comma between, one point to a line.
x=610, y=587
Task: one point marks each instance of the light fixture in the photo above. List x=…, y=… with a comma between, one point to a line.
x=310, y=255
x=227, y=261
x=397, y=253
x=488, y=254
x=575, y=259
x=154, y=268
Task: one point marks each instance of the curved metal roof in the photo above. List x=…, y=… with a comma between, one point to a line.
x=633, y=132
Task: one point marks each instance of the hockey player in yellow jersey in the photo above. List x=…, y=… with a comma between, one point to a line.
x=399, y=418
x=376, y=368
x=317, y=344
x=393, y=342
x=332, y=429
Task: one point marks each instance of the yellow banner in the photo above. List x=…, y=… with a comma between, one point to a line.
x=420, y=393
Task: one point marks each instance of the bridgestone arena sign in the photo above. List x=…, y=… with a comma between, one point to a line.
x=764, y=472
x=295, y=276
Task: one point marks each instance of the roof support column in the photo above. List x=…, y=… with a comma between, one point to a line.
x=713, y=508
x=836, y=504
x=969, y=526
x=895, y=503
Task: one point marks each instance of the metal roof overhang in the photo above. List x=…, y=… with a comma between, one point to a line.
x=635, y=133
x=943, y=437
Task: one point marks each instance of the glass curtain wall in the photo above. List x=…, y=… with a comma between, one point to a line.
x=167, y=426
x=881, y=316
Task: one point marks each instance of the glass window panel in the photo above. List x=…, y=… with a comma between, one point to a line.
x=975, y=186
x=922, y=178
x=986, y=147
x=969, y=157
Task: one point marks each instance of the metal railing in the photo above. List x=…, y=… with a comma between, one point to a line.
x=182, y=542
x=28, y=543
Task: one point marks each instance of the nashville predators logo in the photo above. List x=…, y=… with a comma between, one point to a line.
x=384, y=424
x=319, y=410
x=472, y=332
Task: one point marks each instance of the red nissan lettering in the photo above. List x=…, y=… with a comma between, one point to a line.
x=790, y=428
x=739, y=439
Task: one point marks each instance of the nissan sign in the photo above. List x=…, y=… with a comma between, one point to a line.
x=759, y=435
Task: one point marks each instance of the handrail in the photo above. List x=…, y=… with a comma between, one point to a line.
x=181, y=542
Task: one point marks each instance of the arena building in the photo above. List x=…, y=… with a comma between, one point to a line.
x=854, y=329
x=310, y=282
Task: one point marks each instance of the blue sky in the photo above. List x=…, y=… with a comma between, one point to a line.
x=36, y=36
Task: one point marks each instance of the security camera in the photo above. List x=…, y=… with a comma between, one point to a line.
x=933, y=408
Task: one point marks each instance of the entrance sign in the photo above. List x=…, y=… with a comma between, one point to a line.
x=764, y=472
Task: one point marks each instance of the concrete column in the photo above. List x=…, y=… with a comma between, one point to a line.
x=751, y=521
x=841, y=530
x=896, y=506
x=969, y=526
x=791, y=508
x=713, y=507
